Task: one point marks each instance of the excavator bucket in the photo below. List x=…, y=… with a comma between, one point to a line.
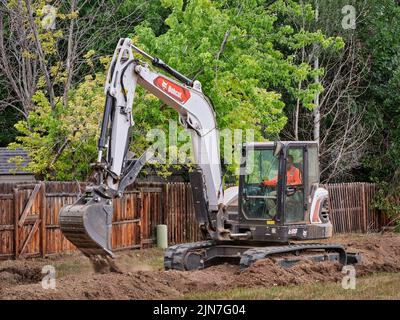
x=88, y=226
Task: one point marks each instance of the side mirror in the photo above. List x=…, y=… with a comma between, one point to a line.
x=278, y=146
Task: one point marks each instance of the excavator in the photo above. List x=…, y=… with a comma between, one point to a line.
x=269, y=215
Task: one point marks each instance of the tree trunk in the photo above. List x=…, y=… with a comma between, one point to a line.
x=70, y=55
x=317, y=114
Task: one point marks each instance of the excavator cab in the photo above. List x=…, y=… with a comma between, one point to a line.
x=279, y=195
x=277, y=204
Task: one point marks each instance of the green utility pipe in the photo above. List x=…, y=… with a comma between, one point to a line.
x=162, y=236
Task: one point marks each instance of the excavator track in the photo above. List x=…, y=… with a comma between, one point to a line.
x=175, y=256
x=200, y=255
x=249, y=257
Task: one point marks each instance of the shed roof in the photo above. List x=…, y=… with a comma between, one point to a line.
x=10, y=167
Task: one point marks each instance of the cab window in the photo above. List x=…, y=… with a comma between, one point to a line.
x=259, y=202
x=294, y=195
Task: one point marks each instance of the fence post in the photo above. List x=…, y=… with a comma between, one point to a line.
x=364, y=206
x=43, y=220
x=16, y=219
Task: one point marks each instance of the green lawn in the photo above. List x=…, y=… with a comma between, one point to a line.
x=377, y=286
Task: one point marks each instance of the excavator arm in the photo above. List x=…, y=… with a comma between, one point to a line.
x=87, y=223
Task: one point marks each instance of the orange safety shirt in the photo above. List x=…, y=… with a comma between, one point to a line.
x=293, y=178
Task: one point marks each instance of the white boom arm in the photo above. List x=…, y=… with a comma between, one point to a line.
x=195, y=112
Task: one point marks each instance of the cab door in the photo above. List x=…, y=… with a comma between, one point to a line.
x=294, y=195
x=259, y=202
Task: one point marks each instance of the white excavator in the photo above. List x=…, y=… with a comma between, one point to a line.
x=277, y=205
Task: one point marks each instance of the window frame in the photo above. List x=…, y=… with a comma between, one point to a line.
x=281, y=187
x=303, y=149
x=243, y=217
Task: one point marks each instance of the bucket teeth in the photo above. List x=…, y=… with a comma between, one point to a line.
x=88, y=226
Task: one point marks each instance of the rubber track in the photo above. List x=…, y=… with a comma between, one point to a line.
x=174, y=257
x=252, y=255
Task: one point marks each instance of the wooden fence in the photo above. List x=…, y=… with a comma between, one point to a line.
x=351, y=208
x=29, y=215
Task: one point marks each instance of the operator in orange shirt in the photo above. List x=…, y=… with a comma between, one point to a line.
x=293, y=175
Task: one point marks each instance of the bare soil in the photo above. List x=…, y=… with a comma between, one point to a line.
x=142, y=276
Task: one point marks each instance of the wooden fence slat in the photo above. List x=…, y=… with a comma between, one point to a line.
x=6, y=227
x=30, y=235
x=16, y=219
x=43, y=244
x=29, y=204
x=6, y=196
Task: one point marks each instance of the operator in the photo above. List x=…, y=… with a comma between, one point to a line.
x=293, y=175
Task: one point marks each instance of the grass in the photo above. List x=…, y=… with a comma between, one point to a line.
x=376, y=286
x=72, y=266
x=152, y=258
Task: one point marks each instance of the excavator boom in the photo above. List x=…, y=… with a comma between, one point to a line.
x=87, y=223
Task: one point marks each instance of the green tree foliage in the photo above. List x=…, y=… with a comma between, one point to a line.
x=8, y=117
x=244, y=54
x=7, y=132
x=379, y=33
x=62, y=141
x=80, y=26
x=241, y=51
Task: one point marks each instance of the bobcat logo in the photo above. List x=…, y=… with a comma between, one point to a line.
x=174, y=90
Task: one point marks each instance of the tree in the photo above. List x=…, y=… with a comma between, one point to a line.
x=339, y=123
x=38, y=59
x=382, y=47
x=7, y=132
x=62, y=140
x=244, y=53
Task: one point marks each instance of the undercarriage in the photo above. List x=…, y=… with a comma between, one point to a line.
x=200, y=255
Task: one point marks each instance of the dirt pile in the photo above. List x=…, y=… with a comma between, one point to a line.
x=21, y=274
x=267, y=273
x=380, y=253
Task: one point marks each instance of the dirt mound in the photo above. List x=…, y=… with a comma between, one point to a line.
x=380, y=253
x=23, y=274
x=99, y=286
x=266, y=273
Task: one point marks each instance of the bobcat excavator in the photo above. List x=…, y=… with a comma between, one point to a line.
x=253, y=221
